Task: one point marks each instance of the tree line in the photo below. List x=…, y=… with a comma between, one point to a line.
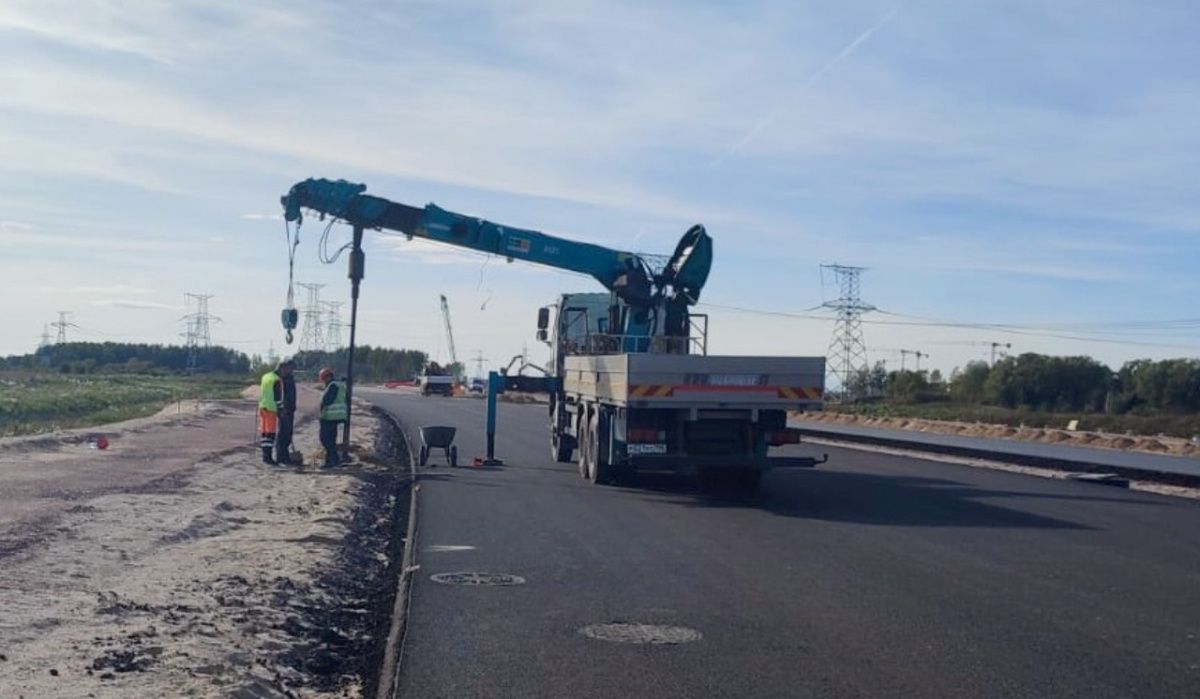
x=370, y=363
x=1045, y=383
x=128, y=357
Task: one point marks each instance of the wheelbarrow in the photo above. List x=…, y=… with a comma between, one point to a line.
x=438, y=437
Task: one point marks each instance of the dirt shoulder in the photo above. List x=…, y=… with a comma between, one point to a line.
x=1156, y=445
x=176, y=564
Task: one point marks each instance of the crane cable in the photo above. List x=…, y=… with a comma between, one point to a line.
x=323, y=249
x=293, y=241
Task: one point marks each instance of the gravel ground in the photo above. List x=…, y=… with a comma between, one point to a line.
x=220, y=577
x=1150, y=444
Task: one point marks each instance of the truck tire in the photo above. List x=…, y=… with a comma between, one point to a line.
x=599, y=470
x=584, y=438
x=559, y=449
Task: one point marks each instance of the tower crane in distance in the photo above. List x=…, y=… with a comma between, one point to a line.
x=450, y=335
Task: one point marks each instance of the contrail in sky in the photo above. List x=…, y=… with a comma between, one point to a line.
x=812, y=80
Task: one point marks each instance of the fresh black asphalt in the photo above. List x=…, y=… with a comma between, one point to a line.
x=871, y=576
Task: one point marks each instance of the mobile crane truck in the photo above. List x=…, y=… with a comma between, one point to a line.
x=633, y=388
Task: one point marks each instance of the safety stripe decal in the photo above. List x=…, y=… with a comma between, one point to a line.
x=651, y=391
x=800, y=392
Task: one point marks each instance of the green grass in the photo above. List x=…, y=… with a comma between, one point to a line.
x=1149, y=425
x=41, y=402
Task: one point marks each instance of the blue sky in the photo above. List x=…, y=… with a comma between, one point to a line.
x=1021, y=163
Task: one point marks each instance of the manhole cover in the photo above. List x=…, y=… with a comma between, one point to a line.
x=622, y=632
x=477, y=579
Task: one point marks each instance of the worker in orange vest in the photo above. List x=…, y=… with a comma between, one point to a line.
x=270, y=400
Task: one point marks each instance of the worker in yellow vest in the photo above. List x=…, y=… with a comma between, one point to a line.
x=335, y=409
x=270, y=401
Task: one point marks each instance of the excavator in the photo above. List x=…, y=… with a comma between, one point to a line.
x=629, y=389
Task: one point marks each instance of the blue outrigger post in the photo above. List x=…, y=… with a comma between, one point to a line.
x=494, y=388
x=498, y=383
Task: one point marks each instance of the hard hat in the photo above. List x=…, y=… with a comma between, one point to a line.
x=325, y=373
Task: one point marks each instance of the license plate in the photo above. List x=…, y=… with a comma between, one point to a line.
x=739, y=380
x=646, y=449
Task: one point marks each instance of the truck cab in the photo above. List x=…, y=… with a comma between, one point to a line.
x=436, y=381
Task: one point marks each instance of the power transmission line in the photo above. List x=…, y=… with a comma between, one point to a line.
x=993, y=327
x=312, y=337
x=333, y=324
x=847, y=352
x=197, y=332
x=62, y=324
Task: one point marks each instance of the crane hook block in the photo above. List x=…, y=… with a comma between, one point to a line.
x=290, y=318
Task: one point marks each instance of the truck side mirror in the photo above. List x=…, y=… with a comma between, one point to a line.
x=543, y=321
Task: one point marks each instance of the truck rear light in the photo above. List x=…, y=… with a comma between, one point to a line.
x=778, y=438
x=646, y=435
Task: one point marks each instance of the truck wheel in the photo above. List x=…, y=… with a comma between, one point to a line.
x=559, y=449
x=584, y=450
x=599, y=471
x=453, y=457
x=424, y=455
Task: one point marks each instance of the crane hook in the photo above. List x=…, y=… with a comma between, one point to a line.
x=290, y=318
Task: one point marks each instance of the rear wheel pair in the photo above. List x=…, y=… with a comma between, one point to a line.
x=593, y=451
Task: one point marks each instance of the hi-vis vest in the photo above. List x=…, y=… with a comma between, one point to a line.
x=337, y=410
x=266, y=399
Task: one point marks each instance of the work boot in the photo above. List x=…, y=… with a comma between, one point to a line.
x=267, y=459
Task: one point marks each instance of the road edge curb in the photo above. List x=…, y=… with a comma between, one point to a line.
x=389, y=674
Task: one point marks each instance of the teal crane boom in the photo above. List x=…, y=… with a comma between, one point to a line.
x=626, y=274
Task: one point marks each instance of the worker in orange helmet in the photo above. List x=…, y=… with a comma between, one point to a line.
x=334, y=411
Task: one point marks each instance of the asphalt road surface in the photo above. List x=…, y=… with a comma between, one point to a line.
x=870, y=576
